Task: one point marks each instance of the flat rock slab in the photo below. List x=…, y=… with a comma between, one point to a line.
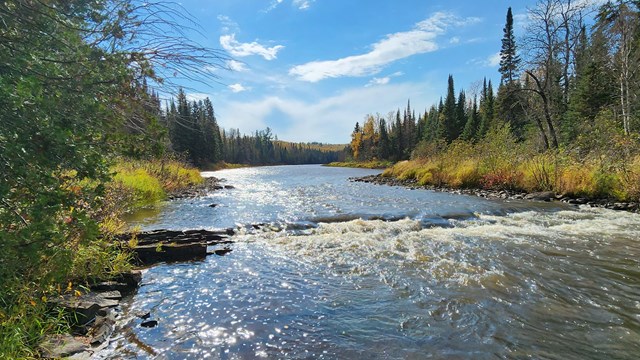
x=173, y=245
x=62, y=346
x=151, y=254
x=84, y=308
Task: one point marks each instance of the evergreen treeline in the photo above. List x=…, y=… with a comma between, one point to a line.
x=577, y=85
x=194, y=133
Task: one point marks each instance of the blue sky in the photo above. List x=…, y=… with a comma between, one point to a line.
x=309, y=69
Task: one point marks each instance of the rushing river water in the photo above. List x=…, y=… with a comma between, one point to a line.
x=347, y=270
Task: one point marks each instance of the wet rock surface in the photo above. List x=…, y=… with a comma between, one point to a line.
x=62, y=346
x=172, y=245
x=503, y=194
x=92, y=315
x=209, y=185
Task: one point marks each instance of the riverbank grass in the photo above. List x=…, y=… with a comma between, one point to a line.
x=560, y=172
x=147, y=182
x=373, y=164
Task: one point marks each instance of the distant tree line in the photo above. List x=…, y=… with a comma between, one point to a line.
x=190, y=129
x=575, y=83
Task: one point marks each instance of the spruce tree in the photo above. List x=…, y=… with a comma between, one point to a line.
x=508, y=104
x=449, y=113
x=509, y=59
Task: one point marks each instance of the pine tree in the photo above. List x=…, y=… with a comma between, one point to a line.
x=473, y=121
x=449, y=113
x=508, y=106
x=486, y=109
x=509, y=59
x=461, y=113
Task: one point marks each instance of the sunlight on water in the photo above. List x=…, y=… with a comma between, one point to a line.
x=539, y=282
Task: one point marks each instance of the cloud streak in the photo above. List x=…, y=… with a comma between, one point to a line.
x=302, y=4
x=421, y=39
x=238, y=66
x=236, y=88
x=236, y=48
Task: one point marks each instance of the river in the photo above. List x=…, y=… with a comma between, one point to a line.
x=349, y=270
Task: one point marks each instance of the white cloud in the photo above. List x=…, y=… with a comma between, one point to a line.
x=228, y=25
x=274, y=4
x=210, y=68
x=400, y=45
x=236, y=48
x=329, y=119
x=238, y=66
x=302, y=4
x=379, y=81
x=196, y=96
x=454, y=40
x=493, y=60
x=236, y=88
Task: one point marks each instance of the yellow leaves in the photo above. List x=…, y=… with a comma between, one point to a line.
x=77, y=293
x=69, y=287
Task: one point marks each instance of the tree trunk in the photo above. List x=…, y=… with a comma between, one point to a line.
x=546, y=109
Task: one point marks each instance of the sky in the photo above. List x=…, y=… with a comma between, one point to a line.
x=311, y=69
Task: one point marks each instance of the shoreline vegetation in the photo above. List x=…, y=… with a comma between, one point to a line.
x=372, y=164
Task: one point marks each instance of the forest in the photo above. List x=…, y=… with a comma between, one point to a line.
x=565, y=116
x=189, y=130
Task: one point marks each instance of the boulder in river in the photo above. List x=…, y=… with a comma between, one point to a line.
x=541, y=196
x=154, y=253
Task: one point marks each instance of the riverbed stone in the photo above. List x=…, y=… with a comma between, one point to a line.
x=541, y=196
x=83, y=309
x=102, y=328
x=150, y=254
x=61, y=346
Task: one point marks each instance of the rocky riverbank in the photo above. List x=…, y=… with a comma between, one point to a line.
x=209, y=185
x=93, y=311
x=504, y=194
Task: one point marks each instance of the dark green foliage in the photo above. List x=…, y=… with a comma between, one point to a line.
x=509, y=108
x=194, y=131
x=487, y=109
x=261, y=149
x=449, y=113
x=471, y=127
x=509, y=59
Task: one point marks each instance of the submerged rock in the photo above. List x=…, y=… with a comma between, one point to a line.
x=149, y=324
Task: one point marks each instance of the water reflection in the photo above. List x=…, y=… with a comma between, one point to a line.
x=502, y=283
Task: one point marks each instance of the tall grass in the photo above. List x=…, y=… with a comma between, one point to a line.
x=372, y=164
x=147, y=182
x=499, y=162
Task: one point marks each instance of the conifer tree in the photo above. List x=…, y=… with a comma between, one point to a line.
x=449, y=113
x=473, y=121
x=509, y=59
x=508, y=104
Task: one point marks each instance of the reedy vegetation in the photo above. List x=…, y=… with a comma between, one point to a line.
x=565, y=117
